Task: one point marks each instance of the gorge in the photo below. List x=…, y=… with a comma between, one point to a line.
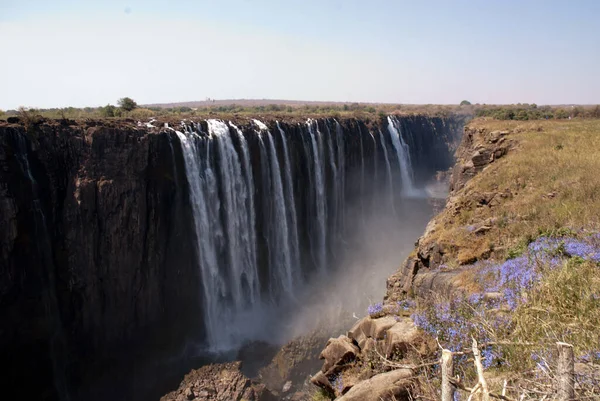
x=125, y=243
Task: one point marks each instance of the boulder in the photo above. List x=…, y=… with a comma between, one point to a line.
x=320, y=380
x=370, y=328
x=400, y=336
x=379, y=327
x=394, y=385
x=338, y=351
x=357, y=332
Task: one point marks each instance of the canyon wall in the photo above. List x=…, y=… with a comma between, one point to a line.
x=103, y=248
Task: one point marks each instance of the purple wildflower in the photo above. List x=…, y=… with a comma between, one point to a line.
x=475, y=299
x=575, y=247
x=375, y=308
x=488, y=357
x=405, y=305
x=423, y=322
x=338, y=383
x=592, y=356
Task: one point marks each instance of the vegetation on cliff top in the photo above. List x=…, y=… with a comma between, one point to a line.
x=536, y=276
x=128, y=108
x=548, y=182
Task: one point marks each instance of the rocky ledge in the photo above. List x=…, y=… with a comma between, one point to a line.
x=219, y=382
x=357, y=365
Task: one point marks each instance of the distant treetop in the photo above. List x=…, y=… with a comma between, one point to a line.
x=127, y=103
x=465, y=103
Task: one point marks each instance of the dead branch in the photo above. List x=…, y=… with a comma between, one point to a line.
x=459, y=385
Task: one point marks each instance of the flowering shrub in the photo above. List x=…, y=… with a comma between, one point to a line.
x=375, y=309
x=551, y=289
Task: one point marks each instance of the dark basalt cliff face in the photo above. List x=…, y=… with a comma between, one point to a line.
x=93, y=258
x=98, y=264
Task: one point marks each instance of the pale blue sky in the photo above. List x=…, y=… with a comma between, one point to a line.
x=57, y=53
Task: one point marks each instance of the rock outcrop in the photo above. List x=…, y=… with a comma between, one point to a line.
x=389, y=386
x=424, y=270
x=219, y=382
x=348, y=370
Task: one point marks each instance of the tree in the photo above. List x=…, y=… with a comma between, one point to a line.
x=127, y=103
x=465, y=103
x=108, y=110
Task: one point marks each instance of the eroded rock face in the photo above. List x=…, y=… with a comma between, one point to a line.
x=91, y=258
x=420, y=274
x=219, y=382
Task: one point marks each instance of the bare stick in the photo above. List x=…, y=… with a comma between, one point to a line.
x=447, y=373
x=458, y=384
x=479, y=367
x=565, y=372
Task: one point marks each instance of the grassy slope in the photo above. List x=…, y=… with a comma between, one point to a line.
x=552, y=174
x=552, y=177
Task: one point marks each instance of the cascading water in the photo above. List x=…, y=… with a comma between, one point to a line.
x=226, y=239
x=341, y=163
x=290, y=205
x=319, y=190
x=390, y=180
x=251, y=223
x=280, y=262
x=403, y=155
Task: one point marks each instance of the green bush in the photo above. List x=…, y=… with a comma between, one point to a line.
x=127, y=103
x=108, y=111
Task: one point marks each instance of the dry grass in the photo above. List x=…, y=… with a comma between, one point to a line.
x=552, y=184
x=552, y=181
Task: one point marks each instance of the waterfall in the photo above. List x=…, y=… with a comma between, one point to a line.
x=319, y=190
x=403, y=157
x=252, y=216
x=362, y=177
x=290, y=207
x=389, y=171
x=341, y=164
x=230, y=286
x=336, y=195
x=280, y=262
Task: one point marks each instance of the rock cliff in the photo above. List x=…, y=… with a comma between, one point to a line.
x=93, y=262
x=99, y=274
x=382, y=342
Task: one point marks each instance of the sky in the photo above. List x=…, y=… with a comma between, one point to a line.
x=59, y=53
